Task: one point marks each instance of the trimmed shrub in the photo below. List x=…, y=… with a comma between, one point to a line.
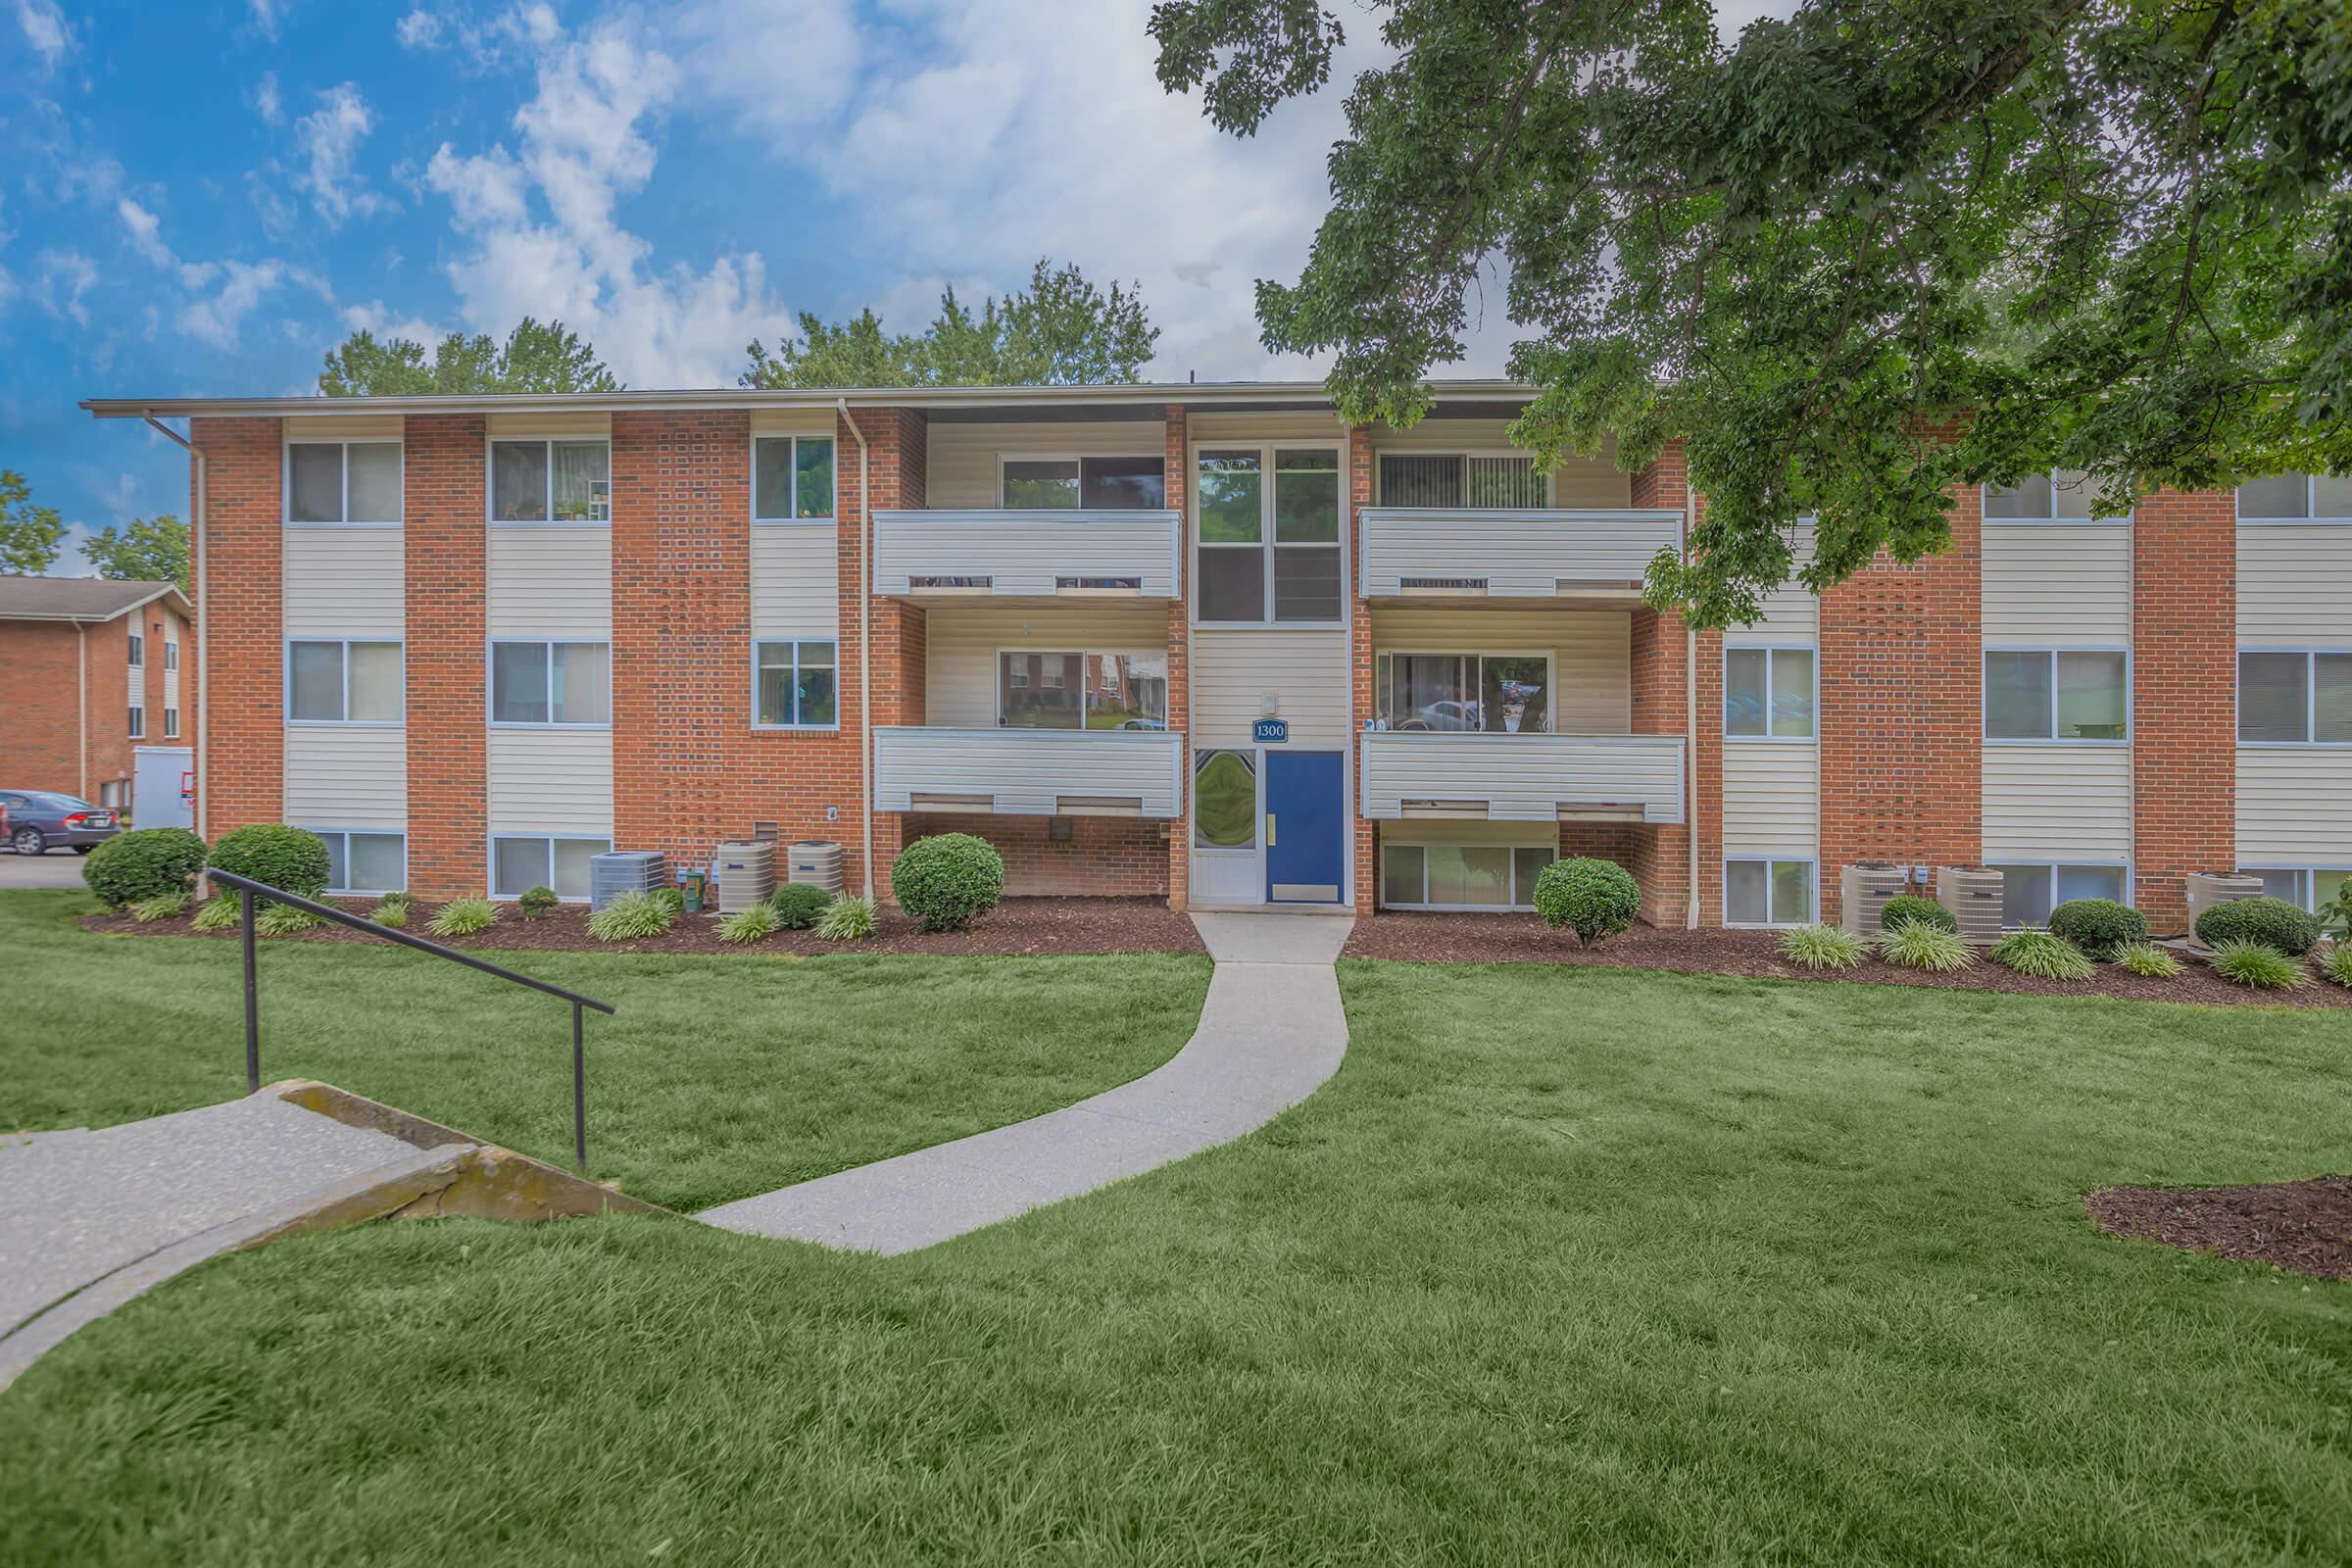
x=848, y=918
x=153, y=863
x=946, y=881
x=537, y=903
x=220, y=913
x=2258, y=967
x=1910, y=906
x=671, y=897
x=397, y=901
x=162, y=906
x=632, y=917
x=2337, y=963
x=388, y=913
x=2101, y=927
x=1920, y=945
x=1594, y=898
x=1822, y=946
x=2147, y=960
x=280, y=857
x=2036, y=952
x=754, y=924
x=283, y=921
x=798, y=906
x=2274, y=923
x=463, y=917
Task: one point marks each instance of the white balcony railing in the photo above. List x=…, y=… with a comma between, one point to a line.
x=1522, y=778
x=1031, y=554
x=1029, y=772
x=1465, y=551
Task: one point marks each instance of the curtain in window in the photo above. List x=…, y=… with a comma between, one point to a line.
x=1505, y=482
x=583, y=488
x=1420, y=479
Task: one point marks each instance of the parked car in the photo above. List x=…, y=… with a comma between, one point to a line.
x=39, y=820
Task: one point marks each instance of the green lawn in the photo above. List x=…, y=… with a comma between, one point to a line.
x=717, y=1078
x=1564, y=1264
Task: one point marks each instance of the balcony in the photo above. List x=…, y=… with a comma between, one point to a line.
x=1029, y=772
x=1522, y=778
x=1049, y=554
x=1477, y=554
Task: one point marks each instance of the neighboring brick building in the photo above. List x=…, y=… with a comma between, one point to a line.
x=90, y=668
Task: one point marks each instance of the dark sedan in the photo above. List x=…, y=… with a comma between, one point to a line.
x=39, y=820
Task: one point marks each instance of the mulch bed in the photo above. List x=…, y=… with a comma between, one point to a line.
x=1524, y=939
x=1015, y=926
x=2304, y=1227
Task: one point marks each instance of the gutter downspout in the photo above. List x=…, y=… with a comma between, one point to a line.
x=865, y=642
x=204, y=632
x=1691, y=716
x=82, y=707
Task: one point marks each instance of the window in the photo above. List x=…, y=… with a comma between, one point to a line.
x=138, y=651
x=1224, y=800
x=2294, y=699
x=1269, y=552
x=551, y=482
x=1767, y=891
x=2063, y=694
x=170, y=655
x=1768, y=693
x=1501, y=694
x=519, y=863
x=792, y=478
x=364, y=863
x=1116, y=484
x=138, y=723
x=2029, y=893
x=171, y=724
x=796, y=685
x=1474, y=480
x=1462, y=876
x=2296, y=498
x=2065, y=495
x=344, y=683
x=1081, y=691
x=343, y=482
x=2305, y=887
x=550, y=683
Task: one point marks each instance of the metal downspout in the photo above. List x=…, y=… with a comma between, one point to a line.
x=82, y=707
x=865, y=642
x=204, y=630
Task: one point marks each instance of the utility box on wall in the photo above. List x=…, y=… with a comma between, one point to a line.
x=1863, y=892
x=1974, y=898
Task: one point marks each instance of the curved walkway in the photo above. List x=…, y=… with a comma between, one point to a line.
x=1270, y=1033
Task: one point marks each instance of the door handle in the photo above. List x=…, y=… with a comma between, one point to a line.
x=1269, y=830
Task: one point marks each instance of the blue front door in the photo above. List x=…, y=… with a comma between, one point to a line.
x=1306, y=826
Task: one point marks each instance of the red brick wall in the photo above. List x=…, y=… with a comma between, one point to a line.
x=445, y=544
x=1659, y=855
x=1359, y=676
x=245, y=745
x=898, y=454
x=2184, y=696
x=40, y=694
x=1105, y=856
x=1176, y=471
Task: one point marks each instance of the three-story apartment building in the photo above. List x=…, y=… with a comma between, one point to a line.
x=1211, y=644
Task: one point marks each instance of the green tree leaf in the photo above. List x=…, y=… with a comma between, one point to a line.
x=144, y=550
x=28, y=534
x=536, y=357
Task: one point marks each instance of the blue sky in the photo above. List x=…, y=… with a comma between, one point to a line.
x=204, y=197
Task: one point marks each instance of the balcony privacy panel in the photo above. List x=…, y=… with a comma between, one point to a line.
x=1028, y=773
x=1507, y=553
x=1524, y=778
x=1028, y=554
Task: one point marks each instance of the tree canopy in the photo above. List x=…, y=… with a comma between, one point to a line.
x=28, y=534
x=1864, y=254
x=144, y=550
x=1061, y=329
x=536, y=357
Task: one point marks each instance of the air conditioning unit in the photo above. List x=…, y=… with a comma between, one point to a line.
x=1975, y=899
x=1863, y=892
x=2205, y=889
x=817, y=862
x=745, y=873
x=619, y=871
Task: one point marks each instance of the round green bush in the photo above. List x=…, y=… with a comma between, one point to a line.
x=1594, y=898
x=945, y=881
x=2274, y=923
x=797, y=904
x=150, y=864
x=279, y=857
x=1911, y=906
x=2102, y=927
x=537, y=903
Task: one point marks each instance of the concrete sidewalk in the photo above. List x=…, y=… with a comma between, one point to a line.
x=1270, y=1033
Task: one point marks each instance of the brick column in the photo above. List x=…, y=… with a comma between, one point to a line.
x=898, y=454
x=1659, y=666
x=445, y=563
x=245, y=749
x=2184, y=696
x=1359, y=674
x=1176, y=469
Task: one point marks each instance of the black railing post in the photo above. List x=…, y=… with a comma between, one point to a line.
x=579, y=1093
x=252, y=1007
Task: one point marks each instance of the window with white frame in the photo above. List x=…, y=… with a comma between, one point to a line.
x=795, y=685
x=344, y=682
x=2296, y=498
x=171, y=655
x=1501, y=694
x=139, y=652
x=1767, y=891
x=343, y=482
x=1268, y=535
x=138, y=723
x=2294, y=697
x=2063, y=694
x=2030, y=891
x=1462, y=876
x=550, y=683
x=1475, y=480
x=521, y=862
x=1079, y=690
x=171, y=724
x=1768, y=693
x=555, y=480
x=363, y=863
x=2063, y=495
x=2307, y=887
x=1113, y=483
x=792, y=478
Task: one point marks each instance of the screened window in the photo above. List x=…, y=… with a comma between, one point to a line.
x=171, y=724
x=2064, y=694
x=1109, y=483
x=550, y=683
x=343, y=482
x=1462, y=876
x=2296, y=498
x=1768, y=693
x=551, y=482
x=1224, y=800
x=170, y=655
x=1767, y=891
x=344, y=683
x=138, y=722
x=2029, y=892
x=1082, y=690
x=1502, y=694
x=138, y=651
x=519, y=863
x=2066, y=495
x=2294, y=699
x=1270, y=550
x=2305, y=887
x=1478, y=482
x=792, y=478
x=799, y=684
x=364, y=863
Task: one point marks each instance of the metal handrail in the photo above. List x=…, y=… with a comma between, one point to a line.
x=247, y=888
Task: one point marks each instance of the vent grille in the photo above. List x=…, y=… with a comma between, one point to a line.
x=1101, y=584
x=1442, y=585
x=950, y=582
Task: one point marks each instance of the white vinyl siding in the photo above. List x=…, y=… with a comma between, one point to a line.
x=1771, y=799
x=962, y=643
x=2057, y=803
x=1792, y=614
x=2293, y=584
x=1591, y=654
x=335, y=583
x=796, y=581
x=549, y=582
x=2057, y=584
x=551, y=781
x=353, y=778
x=960, y=462
x=1303, y=425
x=1306, y=671
x=522, y=425
x=2294, y=806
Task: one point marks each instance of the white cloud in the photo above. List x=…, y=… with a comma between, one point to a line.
x=376, y=317
x=330, y=140
x=146, y=231
x=66, y=276
x=267, y=15
x=215, y=319
x=265, y=100
x=737, y=53
x=45, y=31
x=8, y=288
x=418, y=29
